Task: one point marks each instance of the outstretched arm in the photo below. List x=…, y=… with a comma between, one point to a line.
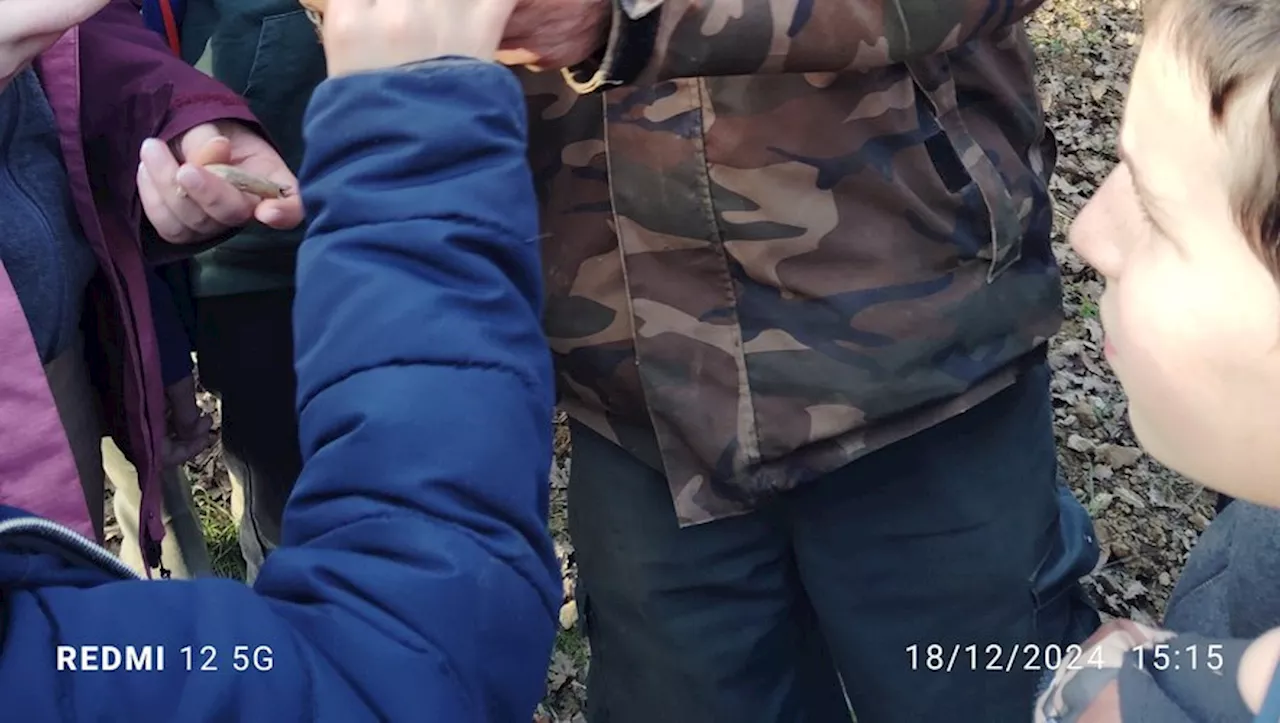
x=416, y=576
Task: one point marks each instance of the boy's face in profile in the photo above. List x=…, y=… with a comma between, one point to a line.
x=1191, y=314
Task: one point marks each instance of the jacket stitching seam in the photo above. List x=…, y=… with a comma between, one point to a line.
x=751, y=448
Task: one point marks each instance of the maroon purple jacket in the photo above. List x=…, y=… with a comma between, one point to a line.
x=112, y=83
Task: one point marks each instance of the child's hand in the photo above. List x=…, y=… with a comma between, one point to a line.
x=187, y=204
x=29, y=27
x=550, y=34
x=362, y=35
x=1088, y=688
x=190, y=429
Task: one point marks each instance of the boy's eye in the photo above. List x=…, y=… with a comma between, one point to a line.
x=1146, y=215
x=1142, y=206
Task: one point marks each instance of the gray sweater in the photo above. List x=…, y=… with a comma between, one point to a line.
x=44, y=251
x=1231, y=585
x=1228, y=594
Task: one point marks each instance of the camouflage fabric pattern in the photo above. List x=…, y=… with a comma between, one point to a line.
x=813, y=230
x=1089, y=690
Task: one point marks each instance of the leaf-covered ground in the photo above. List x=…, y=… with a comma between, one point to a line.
x=1147, y=517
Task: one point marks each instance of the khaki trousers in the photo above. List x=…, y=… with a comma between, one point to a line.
x=100, y=461
x=183, y=551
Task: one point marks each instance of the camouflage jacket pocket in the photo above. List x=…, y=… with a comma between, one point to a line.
x=932, y=75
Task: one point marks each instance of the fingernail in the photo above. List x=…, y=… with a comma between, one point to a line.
x=189, y=178
x=270, y=215
x=149, y=146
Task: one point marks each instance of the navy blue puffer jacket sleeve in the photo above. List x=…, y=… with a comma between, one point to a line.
x=416, y=580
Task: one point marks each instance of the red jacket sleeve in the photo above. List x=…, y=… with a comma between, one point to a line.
x=123, y=60
x=133, y=87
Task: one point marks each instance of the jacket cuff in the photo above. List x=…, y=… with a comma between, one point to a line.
x=625, y=55
x=188, y=114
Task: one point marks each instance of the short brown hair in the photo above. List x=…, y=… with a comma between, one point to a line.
x=1233, y=45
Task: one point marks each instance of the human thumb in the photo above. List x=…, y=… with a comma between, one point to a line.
x=202, y=145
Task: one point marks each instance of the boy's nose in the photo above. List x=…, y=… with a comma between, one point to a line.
x=1097, y=232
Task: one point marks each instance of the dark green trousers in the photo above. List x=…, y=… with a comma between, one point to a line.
x=953, y=538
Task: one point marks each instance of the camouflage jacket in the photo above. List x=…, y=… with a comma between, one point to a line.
x=1131, y=673
x=782, y=235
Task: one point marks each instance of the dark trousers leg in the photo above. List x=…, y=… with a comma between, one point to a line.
x=949, y=539
x=245, y=348
x=702, y=625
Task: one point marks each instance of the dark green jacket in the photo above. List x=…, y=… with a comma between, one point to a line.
x=268, y=51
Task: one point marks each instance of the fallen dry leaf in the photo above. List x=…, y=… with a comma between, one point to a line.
x=569, y=614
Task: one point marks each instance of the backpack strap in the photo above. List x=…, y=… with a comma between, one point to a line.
x=165, y=17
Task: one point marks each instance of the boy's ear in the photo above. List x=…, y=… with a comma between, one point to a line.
x=1270, y=226
x=1274, y=103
